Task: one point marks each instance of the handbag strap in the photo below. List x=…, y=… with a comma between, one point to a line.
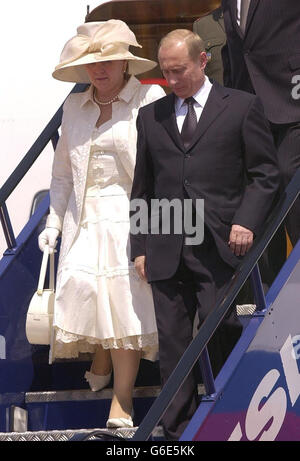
x=44, y=270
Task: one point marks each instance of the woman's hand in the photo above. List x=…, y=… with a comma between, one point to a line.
x=48, y=237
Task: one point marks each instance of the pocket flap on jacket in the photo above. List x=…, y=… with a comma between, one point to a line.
x=211, y=42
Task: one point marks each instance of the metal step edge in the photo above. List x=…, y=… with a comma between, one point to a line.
x=86, y=394
x=245, y=309
x=65, y=435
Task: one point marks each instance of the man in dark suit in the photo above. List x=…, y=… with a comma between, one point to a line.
x=262, y=56
x=217, y=147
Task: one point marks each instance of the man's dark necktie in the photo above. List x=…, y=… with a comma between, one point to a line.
x=190, y=123
x=244, y=14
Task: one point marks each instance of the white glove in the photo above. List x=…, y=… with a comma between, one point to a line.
x=48, y=236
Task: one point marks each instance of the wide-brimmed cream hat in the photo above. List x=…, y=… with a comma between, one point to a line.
x=96, y=42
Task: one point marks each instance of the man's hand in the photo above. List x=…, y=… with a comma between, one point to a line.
x=240, y=240
x=140, y=264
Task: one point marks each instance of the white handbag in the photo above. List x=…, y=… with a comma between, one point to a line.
x=39, y=318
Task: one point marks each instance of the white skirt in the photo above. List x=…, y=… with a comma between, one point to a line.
x=99, y=297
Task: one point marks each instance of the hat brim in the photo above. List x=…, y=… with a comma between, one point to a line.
x=76, y=72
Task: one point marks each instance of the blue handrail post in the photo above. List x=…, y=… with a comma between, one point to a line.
x=206, y=372
x=7, y=228
x=257, y=287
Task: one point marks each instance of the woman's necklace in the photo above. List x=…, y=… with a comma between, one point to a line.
x=104, y=103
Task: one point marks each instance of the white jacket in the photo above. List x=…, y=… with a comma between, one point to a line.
x=71, y=158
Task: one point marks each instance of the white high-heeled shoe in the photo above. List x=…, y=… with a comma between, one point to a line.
x=119, y=422
x=97, y=382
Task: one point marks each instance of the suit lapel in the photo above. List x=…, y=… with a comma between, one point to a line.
x=219, y=18
x=233, y=14
x=166, y=116
x=215, y=105
x=252, y=7
x=221, y=23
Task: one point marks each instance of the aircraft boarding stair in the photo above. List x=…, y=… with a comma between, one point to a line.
x=254, y=397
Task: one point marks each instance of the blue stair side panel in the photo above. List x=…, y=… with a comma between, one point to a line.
x=18, y=276
x=258, y=389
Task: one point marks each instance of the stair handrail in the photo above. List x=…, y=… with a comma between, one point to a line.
x=50, y=133
x=209, y=326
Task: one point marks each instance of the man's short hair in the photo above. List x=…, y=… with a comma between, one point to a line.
x=195, y=44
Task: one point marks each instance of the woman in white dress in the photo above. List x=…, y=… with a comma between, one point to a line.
x=101, y=304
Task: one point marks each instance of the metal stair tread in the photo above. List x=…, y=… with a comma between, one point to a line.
x=61, y=435
x=86, y=394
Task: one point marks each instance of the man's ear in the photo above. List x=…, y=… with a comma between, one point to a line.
x=203, y=59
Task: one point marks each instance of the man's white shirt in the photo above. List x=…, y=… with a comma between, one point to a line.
x=238, y=11
x=200, y=101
